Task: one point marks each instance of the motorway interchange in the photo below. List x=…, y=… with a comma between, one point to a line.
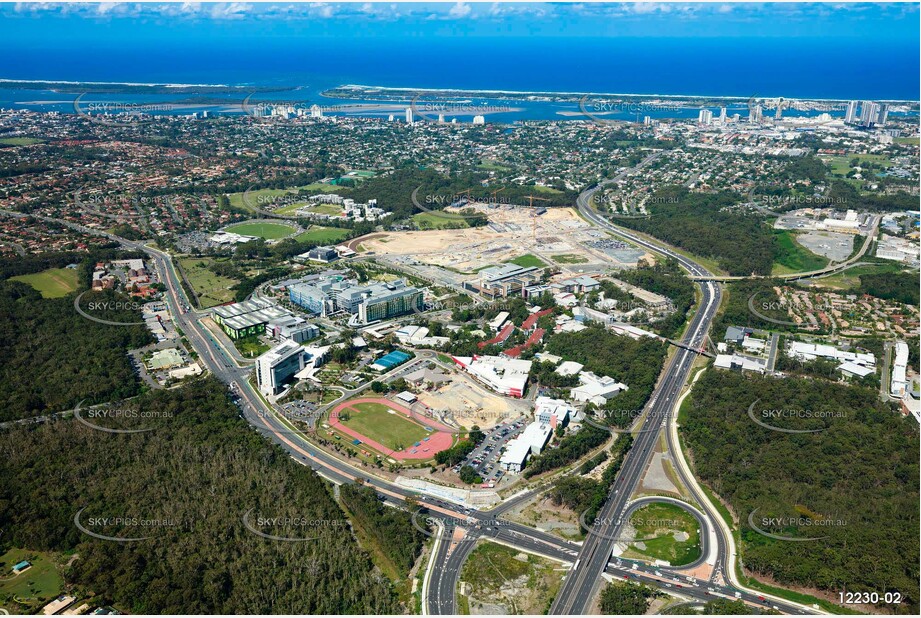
x=591, y=559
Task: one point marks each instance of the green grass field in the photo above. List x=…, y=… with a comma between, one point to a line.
x=32, y=587
x=546, y=190
x=52, y=283
x=212, y=289
x=569, y=258
x=840, y=166
x=793, y=257
x=659, y=522
x=20, y=141
x=269, y=231
x=250, y=347
x=436, y=221
x=394, y=431
x=323, y=235
x=266, y=198
x=361, y=174
x=528, y=260
x=320, y=209
x=488, y=165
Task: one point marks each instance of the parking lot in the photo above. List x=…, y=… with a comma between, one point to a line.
x=485, y=457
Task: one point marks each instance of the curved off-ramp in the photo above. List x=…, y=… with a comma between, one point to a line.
x=709, y=548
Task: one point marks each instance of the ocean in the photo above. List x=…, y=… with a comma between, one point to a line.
x=739, y=68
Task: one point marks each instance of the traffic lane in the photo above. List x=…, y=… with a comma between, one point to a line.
x=170, y=276
x=580, y=586
x=436, y=598
x=343, y=478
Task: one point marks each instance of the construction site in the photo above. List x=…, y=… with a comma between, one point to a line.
x=457, y=400
x=554, y=236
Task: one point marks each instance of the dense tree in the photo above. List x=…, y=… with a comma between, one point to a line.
x=853, y=479
x=902, y=287
x=76, y=359
x=635, y=362
x=570, y=449
x=706, y=224
x=624, y=598
x=196, y=474
x=391, y=529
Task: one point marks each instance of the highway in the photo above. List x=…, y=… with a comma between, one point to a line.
x=593, y=556
x=811, y=274
x=582, y=582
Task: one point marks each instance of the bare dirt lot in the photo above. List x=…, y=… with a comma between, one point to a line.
x=470, y=404
x=511, y=233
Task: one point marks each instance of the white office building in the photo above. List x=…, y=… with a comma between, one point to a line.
x=899, y=383
x=552, y=412
x=705, y=117
x=596, y=389
x=277, y=365
x=531, y=442
x=409, y=115
x=739, y=362
x=850, y=115
x=506, y=376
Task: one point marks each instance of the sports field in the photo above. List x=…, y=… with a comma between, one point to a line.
x=269, y=231
x=268, y=199
x=389, y=429
x=323, y=235
x=20, y=141
x=52, y=283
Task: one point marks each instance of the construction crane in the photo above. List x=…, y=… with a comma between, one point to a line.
x=495, y=194
x=531, y=199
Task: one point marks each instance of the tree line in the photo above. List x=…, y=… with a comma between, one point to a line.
x=851, y=481
x=206, y=481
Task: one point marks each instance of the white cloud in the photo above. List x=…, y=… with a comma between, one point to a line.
x=230, y=10
x=460, y=10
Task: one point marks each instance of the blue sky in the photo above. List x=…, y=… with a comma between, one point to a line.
x=30, y=22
